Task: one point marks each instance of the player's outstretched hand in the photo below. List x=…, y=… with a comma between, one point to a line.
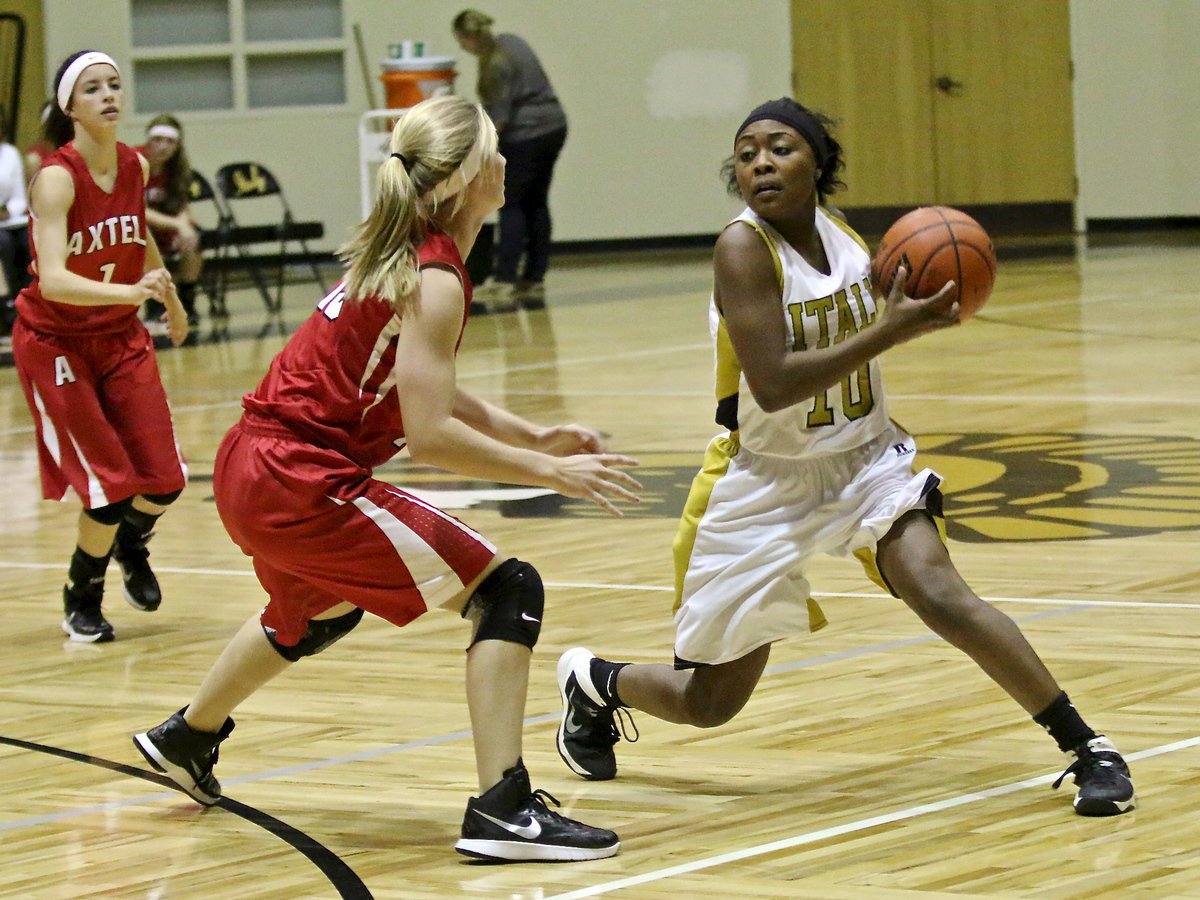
x=908, y=317
x=597, y=477
x=176, y=318
x=567, y=440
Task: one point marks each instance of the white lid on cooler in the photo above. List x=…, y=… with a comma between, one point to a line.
x=419, y=64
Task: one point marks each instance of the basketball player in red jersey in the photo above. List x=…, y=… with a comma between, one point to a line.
x=372, y=369
x=168, y=191
x=84, y=359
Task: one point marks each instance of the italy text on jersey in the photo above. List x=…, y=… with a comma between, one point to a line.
x=829, y=320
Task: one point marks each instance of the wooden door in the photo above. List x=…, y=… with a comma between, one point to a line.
x=999, y=132
x=27, y=125
x=883, y=110
x=1003, y=124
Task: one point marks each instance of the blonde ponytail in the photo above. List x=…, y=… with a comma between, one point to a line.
x=429, y=146
x=382, y=255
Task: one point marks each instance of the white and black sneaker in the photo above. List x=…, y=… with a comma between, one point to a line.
x=1102, y=778
x=587, y=731
x=83, y=621
x=185, y=756
x=511, y=823
x=138, y=579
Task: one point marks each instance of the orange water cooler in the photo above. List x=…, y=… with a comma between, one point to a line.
x=407, y=82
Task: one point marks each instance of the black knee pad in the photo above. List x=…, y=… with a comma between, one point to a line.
x=163, y=499
x=320, y=635
x=508, y=605
x=111, y=514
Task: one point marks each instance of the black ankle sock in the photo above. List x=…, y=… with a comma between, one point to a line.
x=1065, y=725
x=86, y=574
x=604, y=677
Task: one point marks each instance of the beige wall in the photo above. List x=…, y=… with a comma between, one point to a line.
x=654, y=87
x=1137, y=91
x=652, y=90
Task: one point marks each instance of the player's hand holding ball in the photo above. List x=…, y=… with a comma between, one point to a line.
x=936, y=246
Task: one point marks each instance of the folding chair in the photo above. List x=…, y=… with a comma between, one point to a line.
x=247, y=184
x=214, y=236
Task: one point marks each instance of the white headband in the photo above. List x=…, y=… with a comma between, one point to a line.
x=164, y=130
x=465, y=175
x=66, y=86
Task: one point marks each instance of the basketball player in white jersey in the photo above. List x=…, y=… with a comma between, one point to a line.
x=810, y=463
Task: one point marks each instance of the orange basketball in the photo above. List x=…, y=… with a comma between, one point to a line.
x=937, y=244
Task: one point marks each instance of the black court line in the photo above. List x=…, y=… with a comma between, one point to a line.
x=340, y=875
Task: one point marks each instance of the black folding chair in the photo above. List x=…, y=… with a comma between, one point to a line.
x=210, y=217
x=249, y=184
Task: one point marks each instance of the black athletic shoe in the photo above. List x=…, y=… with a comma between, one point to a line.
x=185, y=756
x=587, y=731
x=139, y=582
x=511, y=823
x=1105, y=787
x=83, y=621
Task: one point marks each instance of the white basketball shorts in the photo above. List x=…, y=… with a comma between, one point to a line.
x=743, y=579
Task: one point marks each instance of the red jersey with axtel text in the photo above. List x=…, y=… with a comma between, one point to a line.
x=106, y=241
x=333, y=385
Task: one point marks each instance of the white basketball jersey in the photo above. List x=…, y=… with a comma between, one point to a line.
x=819, y=310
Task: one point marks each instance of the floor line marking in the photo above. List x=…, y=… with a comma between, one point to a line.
x=664, y=589
x=458, y=735
x=812, y=837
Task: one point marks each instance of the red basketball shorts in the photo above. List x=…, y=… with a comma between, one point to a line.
x=103, y=426
x=321, y=531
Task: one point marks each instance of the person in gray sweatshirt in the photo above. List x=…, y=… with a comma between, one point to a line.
x=517, y=94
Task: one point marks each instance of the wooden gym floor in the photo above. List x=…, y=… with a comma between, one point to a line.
x=874, y=761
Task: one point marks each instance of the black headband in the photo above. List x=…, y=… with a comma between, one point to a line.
x=792, y=114
x=404, y=162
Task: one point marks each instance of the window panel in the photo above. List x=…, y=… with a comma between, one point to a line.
x=164, y=23
x=279, y=20
x=182, y=84
x=308, y=79
x=237, y=54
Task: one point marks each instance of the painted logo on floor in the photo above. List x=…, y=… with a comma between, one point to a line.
x=1030, y=487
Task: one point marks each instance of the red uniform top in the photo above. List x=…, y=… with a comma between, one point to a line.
x=333, y=385
x=156, y=187
x=106, y=241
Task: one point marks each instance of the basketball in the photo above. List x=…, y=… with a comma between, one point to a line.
x=936, y=244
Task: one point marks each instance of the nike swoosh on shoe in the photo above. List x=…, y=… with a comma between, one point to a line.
x=572, y=724
x=530, y=832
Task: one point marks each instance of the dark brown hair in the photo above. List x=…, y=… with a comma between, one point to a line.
x=58, y=129
x=177, y=171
